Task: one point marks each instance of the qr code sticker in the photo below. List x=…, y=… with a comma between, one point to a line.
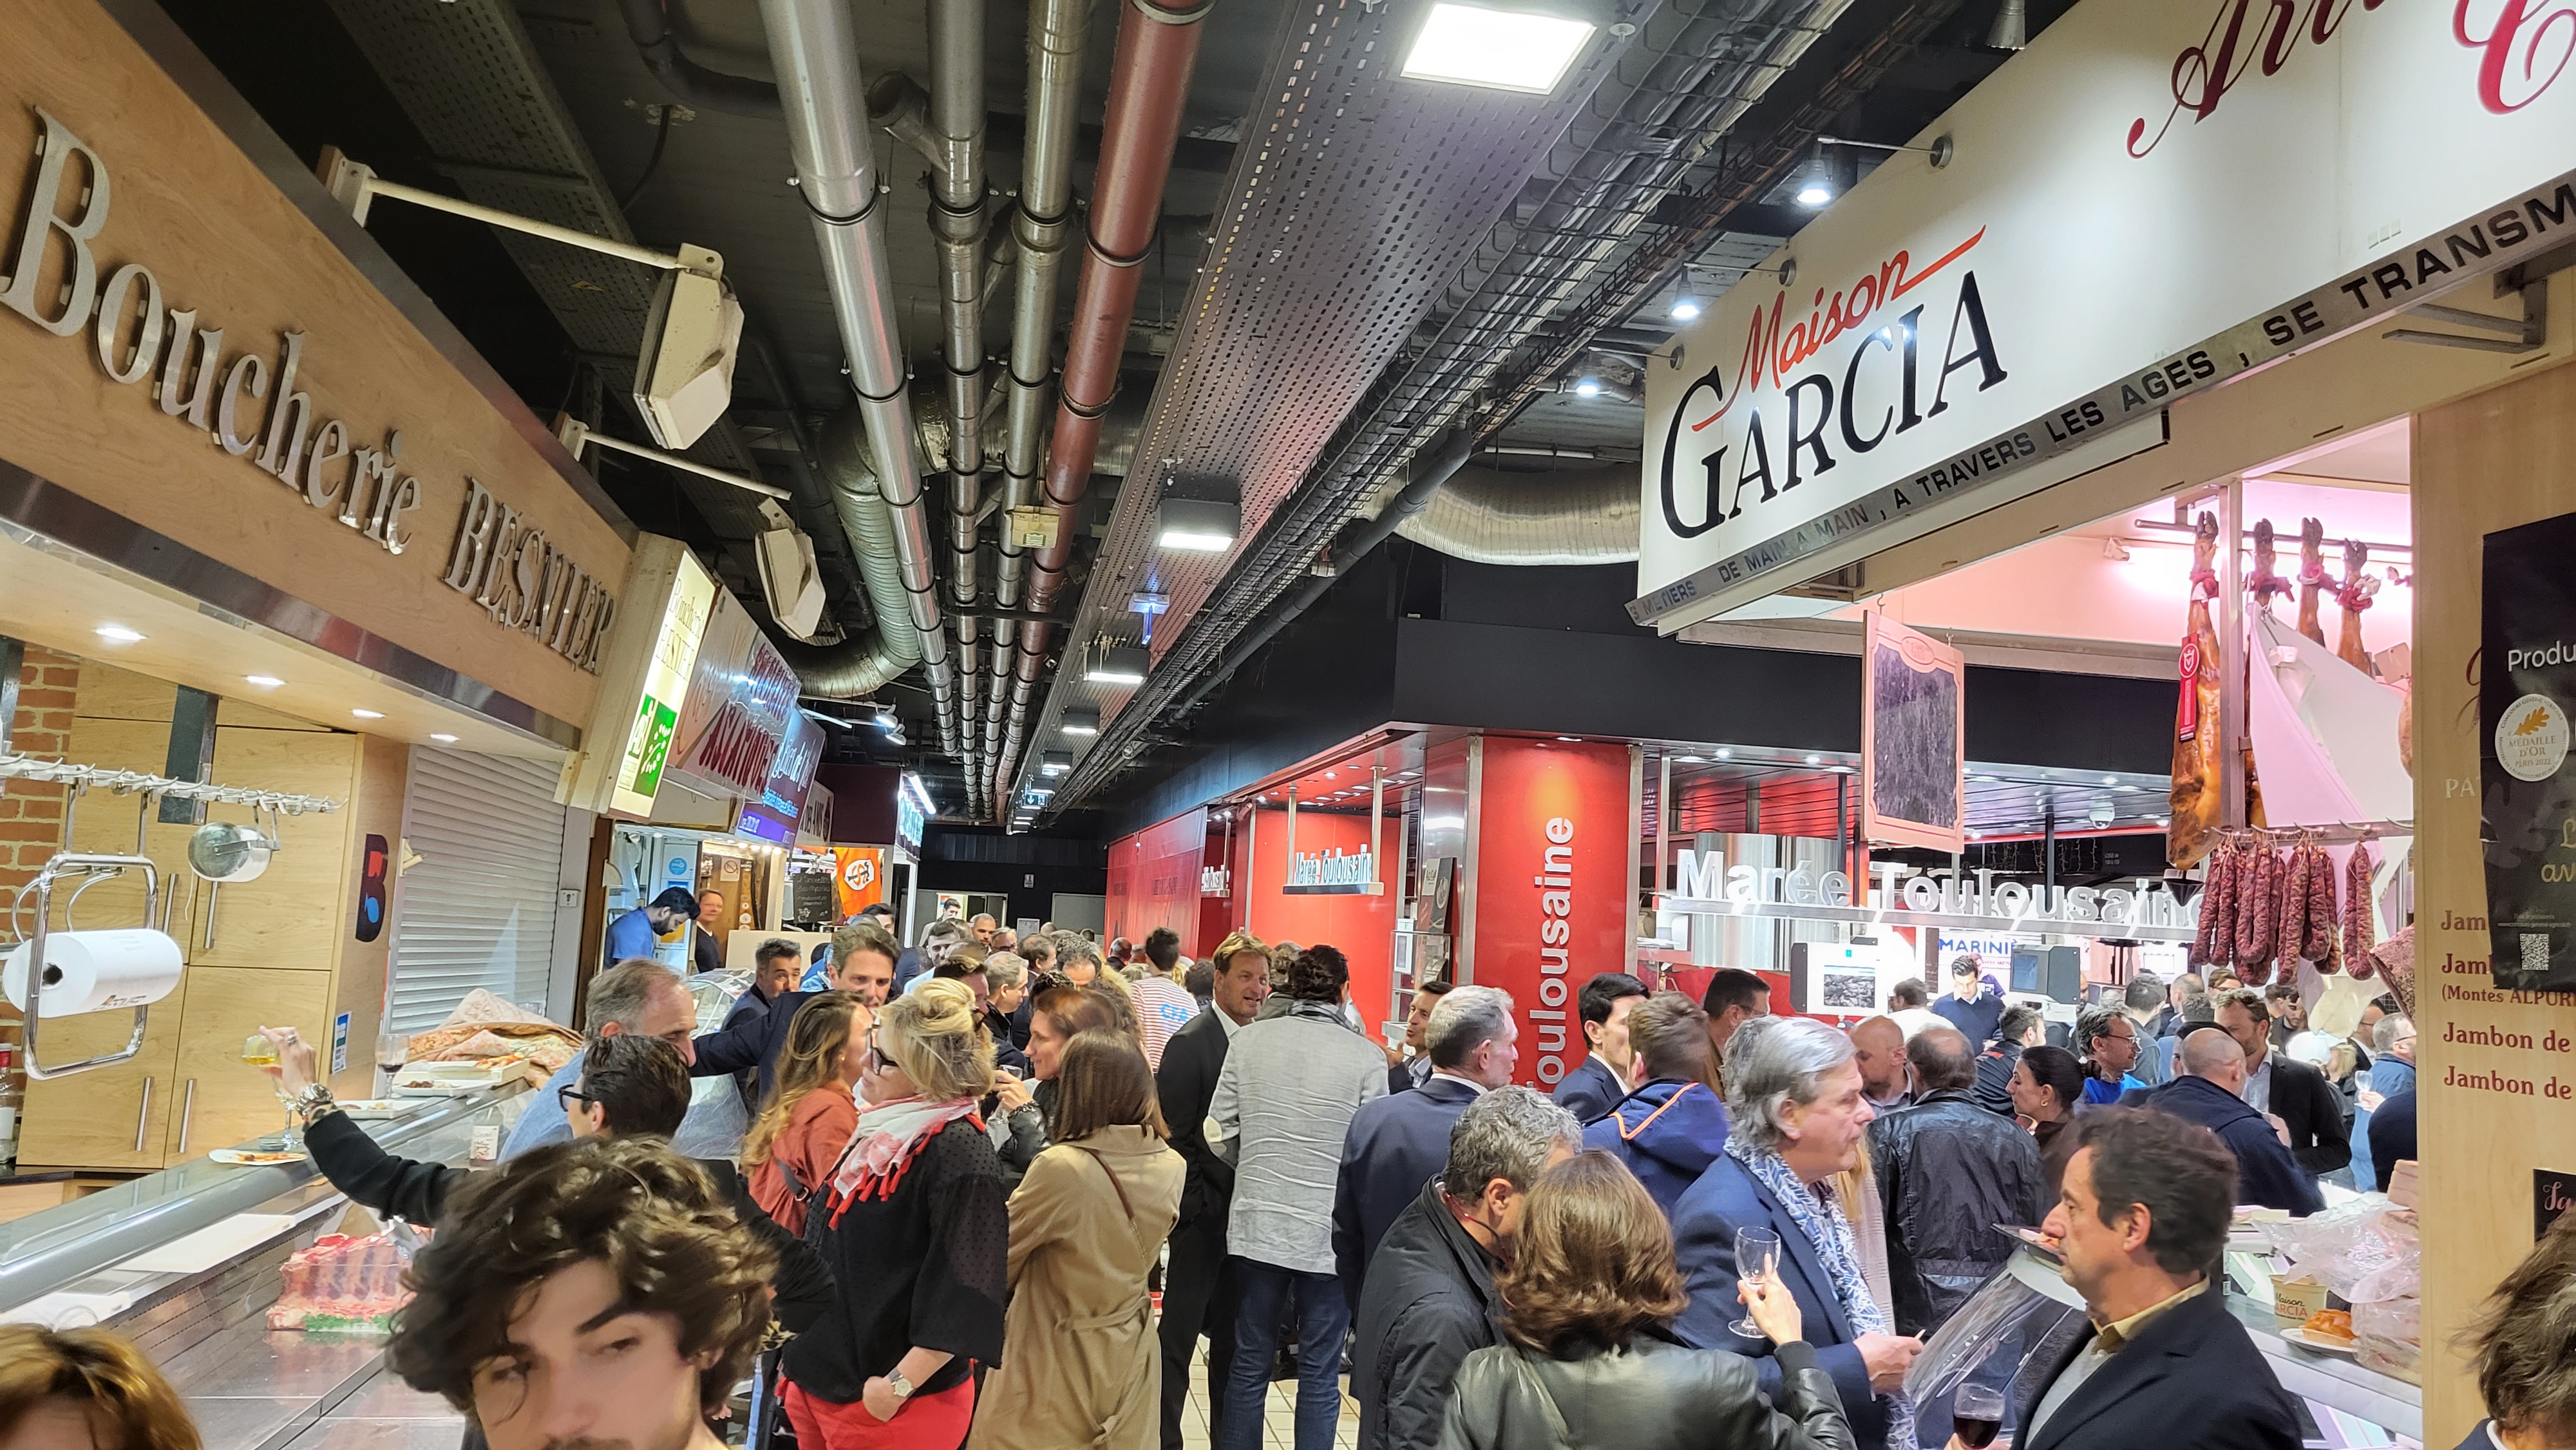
x=2535, y=951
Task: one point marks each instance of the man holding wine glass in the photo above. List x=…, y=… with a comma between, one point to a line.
x=1799, y=1115
x=2139, y=1225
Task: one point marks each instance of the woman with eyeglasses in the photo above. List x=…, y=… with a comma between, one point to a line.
x=812, y=1111
x=1087, y=1226
x=917, y=1231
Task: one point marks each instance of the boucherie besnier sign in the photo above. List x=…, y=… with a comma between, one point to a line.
x=248, y=395
x=2151, y=200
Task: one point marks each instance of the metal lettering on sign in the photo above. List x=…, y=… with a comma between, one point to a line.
x=54, y=283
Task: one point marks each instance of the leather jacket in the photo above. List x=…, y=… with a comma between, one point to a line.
x=1948, y=1173
x=1653, y=1395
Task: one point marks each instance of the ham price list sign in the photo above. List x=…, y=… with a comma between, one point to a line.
x=2528, y=797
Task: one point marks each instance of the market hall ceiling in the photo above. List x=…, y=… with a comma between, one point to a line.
x=1341, y=217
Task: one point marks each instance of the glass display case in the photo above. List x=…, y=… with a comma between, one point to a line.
x=186, y=1263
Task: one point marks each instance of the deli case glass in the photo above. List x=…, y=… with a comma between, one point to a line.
x=188, y=1263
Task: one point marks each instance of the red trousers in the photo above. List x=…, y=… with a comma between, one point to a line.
x=926, y=1422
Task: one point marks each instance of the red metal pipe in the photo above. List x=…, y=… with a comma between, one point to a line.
x=1149, y=81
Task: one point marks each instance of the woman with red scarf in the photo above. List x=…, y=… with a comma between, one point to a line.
x=918, y=1236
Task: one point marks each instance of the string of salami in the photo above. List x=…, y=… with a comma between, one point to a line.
x=2271, y=901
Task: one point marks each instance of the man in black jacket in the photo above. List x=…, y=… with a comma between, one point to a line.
x=1600, y=1081
x=863, y=957
x=1198, y=1291
x=2287, y=1088
x=631, y=1086
x=2020, y=1027
x=2208, y=1090
x=1395, y=1144
x=1430, y=1299
x=2140, y=1222
x=1948, y=1173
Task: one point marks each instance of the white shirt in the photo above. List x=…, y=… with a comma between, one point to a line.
x=1226, y=1020
x=1914, y=1019
x=2258, y=1086
x=1453, y=1077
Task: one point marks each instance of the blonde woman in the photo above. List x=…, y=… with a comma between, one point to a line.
x=917, y=1233
x=790, y=1150
x=1087, y=1224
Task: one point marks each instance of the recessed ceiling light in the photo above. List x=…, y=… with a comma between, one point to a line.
x=1119, y=665
x=1587, y=388
x=1725, y=753
x=1815, y=760
x=265, y=682
x=116, y=634
x=1571, y=739
x=442, y=738
x=1506, y=50
x=1688, y=759
x=368, y=714
x=2110, y=780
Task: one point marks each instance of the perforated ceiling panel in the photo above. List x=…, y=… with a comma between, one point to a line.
x=1356, y=197
x=467, y=76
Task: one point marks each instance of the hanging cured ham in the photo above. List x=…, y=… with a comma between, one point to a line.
x=2196, y=768
x=2313, y=578
x=2353, y=596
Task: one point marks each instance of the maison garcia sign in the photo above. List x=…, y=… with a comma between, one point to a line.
x=2110, y=236
x=64, y=277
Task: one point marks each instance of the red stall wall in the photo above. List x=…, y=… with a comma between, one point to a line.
x=1154, y=879
x=1552, y=893
x=1362, y=926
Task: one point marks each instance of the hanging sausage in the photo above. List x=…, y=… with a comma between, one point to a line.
x=2290, y=923
x=2257, y=896
x=2195, y=797
x=2354, y=597
x=2359, y=924
x=2215, y=942
x=2323, y=941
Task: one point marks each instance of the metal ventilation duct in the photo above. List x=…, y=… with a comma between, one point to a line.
x=1489, y=517
x=1357, y=196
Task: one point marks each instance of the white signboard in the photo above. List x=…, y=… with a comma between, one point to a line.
x=2149, y=201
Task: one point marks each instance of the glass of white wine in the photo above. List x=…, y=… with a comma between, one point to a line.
x=259, y=1051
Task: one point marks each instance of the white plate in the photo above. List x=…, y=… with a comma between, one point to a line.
x=2301, y=1337
x=411, y=1087
x=253, y=1158
x=374, y=1109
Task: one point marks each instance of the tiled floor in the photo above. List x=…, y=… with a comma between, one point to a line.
x=1279, y=1416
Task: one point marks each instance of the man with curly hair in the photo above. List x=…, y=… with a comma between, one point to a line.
x=595, y=1293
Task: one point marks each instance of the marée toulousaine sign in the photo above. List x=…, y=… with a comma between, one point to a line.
x=59, y=281
x=2149, y=201
x=1703, y=884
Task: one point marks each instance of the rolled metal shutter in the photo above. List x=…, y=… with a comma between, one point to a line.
x=478, y=910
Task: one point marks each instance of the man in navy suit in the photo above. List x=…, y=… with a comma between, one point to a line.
x=1799, y=1117
x=1593, y=1089
x=2140, y=1223
x=1397, y=1144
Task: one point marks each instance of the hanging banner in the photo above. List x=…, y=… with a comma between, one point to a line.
x=1913, y=738
x=2527, y=683
x=858, y=879
x=2151, y=200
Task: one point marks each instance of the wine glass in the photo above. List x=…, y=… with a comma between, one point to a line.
x=1976, y=1413
x=258, y=1051
x=1757, y=1257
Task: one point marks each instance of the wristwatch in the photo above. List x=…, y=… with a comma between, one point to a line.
x=313, y=1100
x=896, y=1382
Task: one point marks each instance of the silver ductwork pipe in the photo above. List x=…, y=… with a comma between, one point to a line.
x=861, y=666
x=1586, y=516
x=1040, y=229
x=813, y=46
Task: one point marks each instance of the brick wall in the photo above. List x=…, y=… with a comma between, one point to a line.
x=31, y=813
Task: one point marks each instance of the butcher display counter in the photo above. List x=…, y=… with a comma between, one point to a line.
x=186, y=1263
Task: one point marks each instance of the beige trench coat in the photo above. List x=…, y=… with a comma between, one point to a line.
x=1081, y=1365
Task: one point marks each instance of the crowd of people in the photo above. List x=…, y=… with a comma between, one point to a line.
x=972, y=1169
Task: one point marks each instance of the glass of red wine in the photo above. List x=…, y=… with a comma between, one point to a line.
x=1976, y=1413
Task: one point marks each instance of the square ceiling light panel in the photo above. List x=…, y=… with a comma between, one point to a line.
x=1509, y=50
